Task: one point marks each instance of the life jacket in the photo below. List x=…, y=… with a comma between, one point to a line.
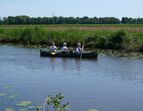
x=78, y=49
x=64, y=48
x=53, y=48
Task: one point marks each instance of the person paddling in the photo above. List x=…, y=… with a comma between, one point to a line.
x=53, y=48
x=78, y=48
x=64, y=48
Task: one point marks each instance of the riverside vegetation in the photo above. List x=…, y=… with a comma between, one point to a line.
x=104, y=37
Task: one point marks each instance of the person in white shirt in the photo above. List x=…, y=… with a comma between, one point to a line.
x=53, y=48
x=64, y=48
x=78, y=48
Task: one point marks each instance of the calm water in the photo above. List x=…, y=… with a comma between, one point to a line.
x=108, y=84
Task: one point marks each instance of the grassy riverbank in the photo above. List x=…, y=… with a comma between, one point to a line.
x=117, y=37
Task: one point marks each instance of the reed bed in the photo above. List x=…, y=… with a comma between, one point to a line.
x=120, y=39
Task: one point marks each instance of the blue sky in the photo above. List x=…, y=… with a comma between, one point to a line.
x=75, y=8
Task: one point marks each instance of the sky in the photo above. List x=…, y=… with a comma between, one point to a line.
x=74, y=8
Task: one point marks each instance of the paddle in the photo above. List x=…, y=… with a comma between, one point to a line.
x=82, y=50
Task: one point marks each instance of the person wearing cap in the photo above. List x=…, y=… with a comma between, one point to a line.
x=78, y=48
x=53, y=48
x=64, y=48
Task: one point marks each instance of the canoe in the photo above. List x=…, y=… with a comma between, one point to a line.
x=88, y=54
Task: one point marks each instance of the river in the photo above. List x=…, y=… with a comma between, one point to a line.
x=109, y=83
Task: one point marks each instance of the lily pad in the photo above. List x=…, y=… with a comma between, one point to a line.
x=24, y=103
x=92, y=110
x=11, y=91
x=2, y=94
x=8, y=87
x=31, y=107
x=9, y=109
x=35, y=107
x=39, y=107
x=12, y=97
x=23, y=109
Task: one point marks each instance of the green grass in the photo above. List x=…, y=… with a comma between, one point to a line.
x=78, y=25
x=119, y=37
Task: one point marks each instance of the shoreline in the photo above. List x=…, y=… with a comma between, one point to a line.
x=121, y=40
x=110, y=52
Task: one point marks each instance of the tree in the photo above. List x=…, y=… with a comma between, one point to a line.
x=1, y=21
x=125, y=20
x=23, y=19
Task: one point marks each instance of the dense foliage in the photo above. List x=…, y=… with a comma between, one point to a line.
x=126, y=20
x=68, y=20
x=58, y=20
x=104, y=39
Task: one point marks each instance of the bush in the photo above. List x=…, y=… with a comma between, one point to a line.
x=105, y=39
x=117, y=39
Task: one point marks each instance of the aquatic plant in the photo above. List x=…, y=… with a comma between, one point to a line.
x=2, y=94
x=8, y=87
x=23, y=109
x=92, y=110
x=54, y=102
x=12, y=97
x=24, y=103
x=9, y=109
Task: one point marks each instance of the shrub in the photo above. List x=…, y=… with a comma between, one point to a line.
x=117, y=39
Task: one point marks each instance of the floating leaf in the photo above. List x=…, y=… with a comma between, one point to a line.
x=92, y=110
x=8, y=87
x=31, y=107
x=23, y=109
x=2, y=94
x=11, y=91
x=12, y=97
x=24, y=103
x=39, y=107
x=9, y=109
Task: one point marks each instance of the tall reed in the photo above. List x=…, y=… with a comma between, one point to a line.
x=105, y=39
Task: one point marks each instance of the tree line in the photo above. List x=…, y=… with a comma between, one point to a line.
x=68, y=20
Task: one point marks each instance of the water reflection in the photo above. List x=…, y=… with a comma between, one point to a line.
x=105, y=66
x=110, y=83
x=78, y=65
x=53, y=63
x=64, y=63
